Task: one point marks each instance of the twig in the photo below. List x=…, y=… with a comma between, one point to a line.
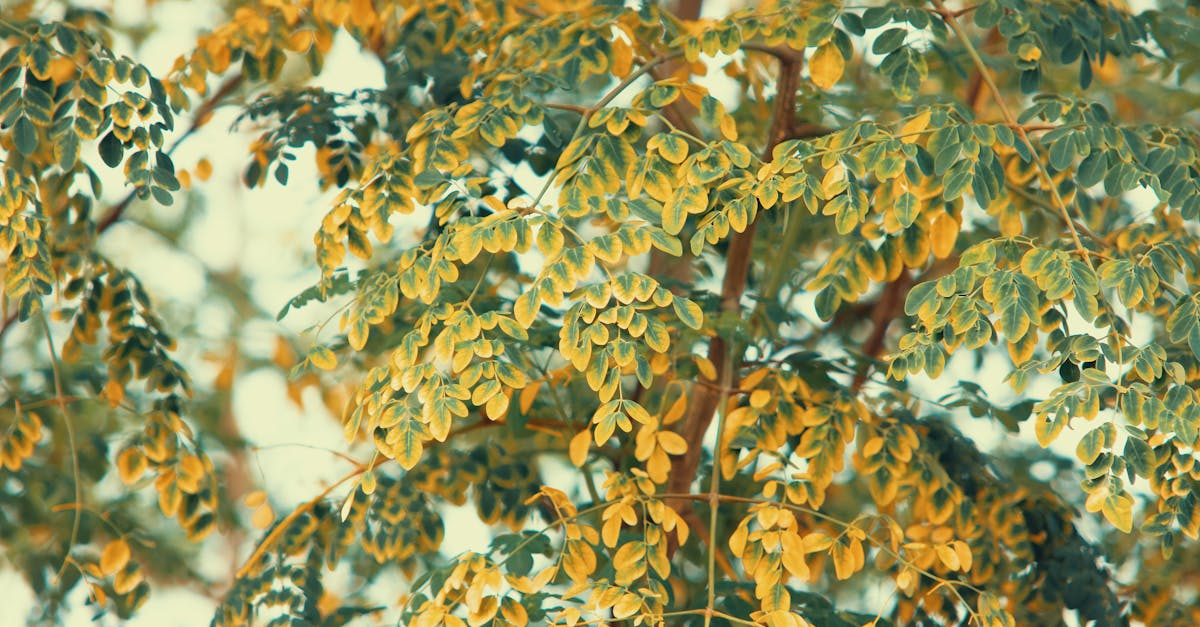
x=714, y=485
x=737, y=266
x=62, y=407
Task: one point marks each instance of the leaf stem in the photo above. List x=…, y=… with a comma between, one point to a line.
x=714, y=489
x=62, y=407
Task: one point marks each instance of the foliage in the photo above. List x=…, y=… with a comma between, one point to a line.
x=558, y=236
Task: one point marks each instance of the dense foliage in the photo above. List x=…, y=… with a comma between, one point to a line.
x=755, y=278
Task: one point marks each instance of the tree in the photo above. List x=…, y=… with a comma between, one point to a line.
x=786, y=289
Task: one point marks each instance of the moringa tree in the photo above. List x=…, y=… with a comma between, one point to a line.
x=786, y=289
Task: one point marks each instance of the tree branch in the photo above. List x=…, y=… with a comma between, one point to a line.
x=727, y=359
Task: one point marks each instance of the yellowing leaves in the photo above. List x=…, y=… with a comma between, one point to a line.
x=654, y=446
x=114, y=557
x=910, y=131
x=943, y=233
x=848, y=557
x=263, y=516
x=578, y=448
x=322, y=358
x=826, y=65
x=1117, y=506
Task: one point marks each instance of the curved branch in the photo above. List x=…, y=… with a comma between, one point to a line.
x=705, y=399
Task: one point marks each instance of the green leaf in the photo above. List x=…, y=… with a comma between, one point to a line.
x=1092, y=169
x=1139, y=456
x=889, y=40
x=1090, y=446
x=907, y=207
x=688, y=312
x=111, y=150
x=686, y=200
x=25, y=136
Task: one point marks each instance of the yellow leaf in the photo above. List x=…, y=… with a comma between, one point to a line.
x=622, y=57
x=737, y=541
x=672, y=443
x=513, y=612
x=114, y=557
x=910, y=131
x=729, y=128
x=528, y=395
x=1118, y=509
x=263, y=517
x=630, y=557
x=113, y=392
x=131, y=463
x=578, y=449
x=816, y=541
x=627, y=605
x=760, y=398
x=497, y=407
x=847, y=558
x=793, y=556
x=190, y=473
x=942, y=235
x=255, y=498
x=203, y=169
x=525, y=308
x=676, y=411
x=948, y=556
x=127, y=579
x=706, y=367
x=826, y=66
x=965, y=558
x=322, y=358
x=98, y=594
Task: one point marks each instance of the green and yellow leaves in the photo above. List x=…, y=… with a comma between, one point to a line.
x=1135, y=283
x=826, y=65
x=1016, y=299
x=1183, y=325
x=1111, y=499
x=21, y=434
x=1060, y=277
x=685, y=201
x=401, y=434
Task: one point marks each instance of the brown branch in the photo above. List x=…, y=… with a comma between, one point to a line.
x=889, y=307
x=976, y=95
x=737, y=265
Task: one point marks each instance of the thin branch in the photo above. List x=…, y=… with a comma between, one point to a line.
x=62, y=407
x=283, y=525
x=950, y=18
x=737, y=266
x=714, y=483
